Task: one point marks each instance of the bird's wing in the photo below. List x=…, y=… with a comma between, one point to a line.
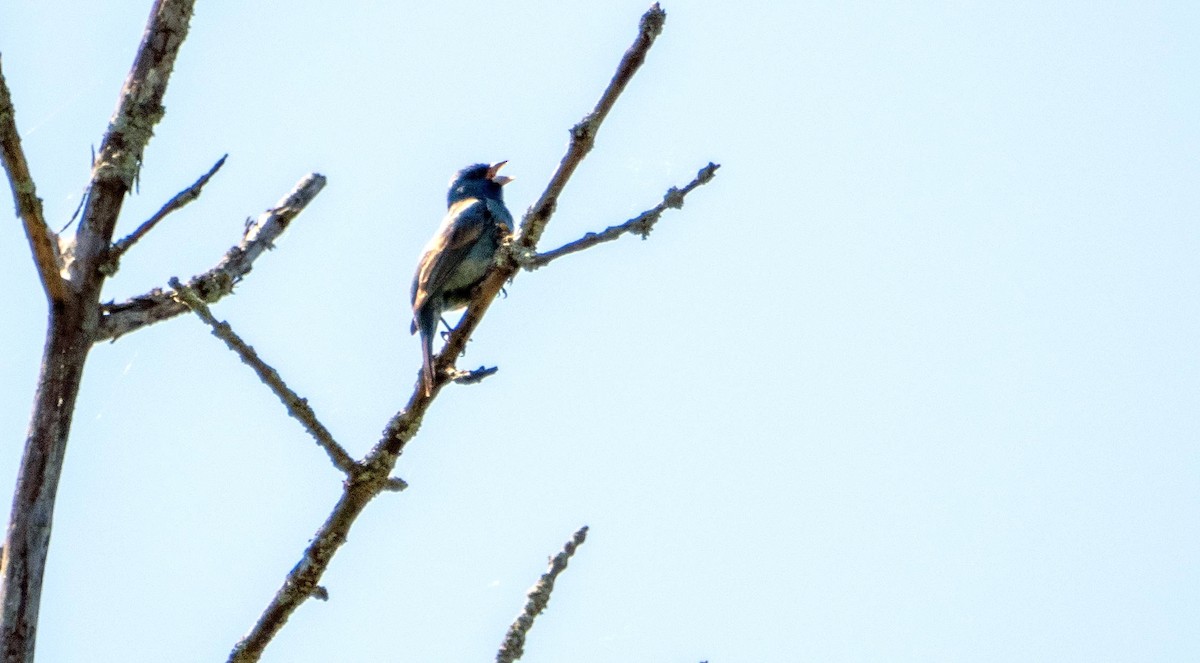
x=500, y=214
x=465, y=223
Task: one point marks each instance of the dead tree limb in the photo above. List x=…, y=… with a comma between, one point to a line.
x=583, y=134
x=74, y=316
x=73, y=272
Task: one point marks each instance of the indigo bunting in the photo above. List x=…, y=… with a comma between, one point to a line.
x=460, y=253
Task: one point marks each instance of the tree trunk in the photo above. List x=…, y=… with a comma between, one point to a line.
x=28, y=539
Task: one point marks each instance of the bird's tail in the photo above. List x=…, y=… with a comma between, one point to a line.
x=425, y=322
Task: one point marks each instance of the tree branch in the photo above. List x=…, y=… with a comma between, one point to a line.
x=181, y=199
x=297, y=407
x=73, y=320
x=303, y=580
x=583, y=137
x=537, y=598
x=42, y=241
x=641, y=225
x=583, y=134
x=118, y=319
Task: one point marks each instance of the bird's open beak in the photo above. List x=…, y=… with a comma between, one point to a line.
x=499, y=179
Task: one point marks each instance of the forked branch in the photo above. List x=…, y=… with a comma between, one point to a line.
x=583, y=134
x=583, y=137
x=74, y=293
x=303, y=581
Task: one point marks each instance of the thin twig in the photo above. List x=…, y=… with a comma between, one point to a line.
x=296, y=406
x=42, y=241
x=180, y=200
x=583, y=135
x=121, y=318
x=641, y=225
x=537, y=598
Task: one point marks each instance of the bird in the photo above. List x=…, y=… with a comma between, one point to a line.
x=458, y=256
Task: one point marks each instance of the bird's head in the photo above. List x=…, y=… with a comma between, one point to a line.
x=478, y=181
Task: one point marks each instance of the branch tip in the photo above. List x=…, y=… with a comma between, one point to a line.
x=537, y=598
x=708, y=172
x=583, y=134
x=653, y=21
x=178, y=201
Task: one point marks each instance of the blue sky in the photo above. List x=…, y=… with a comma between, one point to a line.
x=914, y=379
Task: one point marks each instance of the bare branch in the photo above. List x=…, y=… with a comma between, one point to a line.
x=583, y=135
x=121, y=318
x=641, y=225
x=537, y=598
x=42, y=240
x=74, y=316
x=296, y=406
x=301, y=581
x=180, y=200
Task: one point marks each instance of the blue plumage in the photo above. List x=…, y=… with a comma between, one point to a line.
x=460, y=253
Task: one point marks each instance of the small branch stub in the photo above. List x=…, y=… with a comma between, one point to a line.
x=474, y=377
x=395, y=485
